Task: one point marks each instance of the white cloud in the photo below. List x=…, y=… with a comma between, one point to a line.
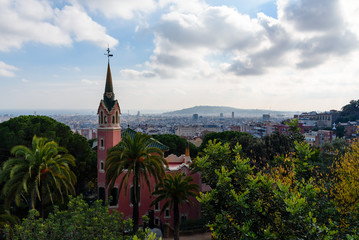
x=134, y=74
x=89, y=82
x=34, y=9
x=308, y=15
x=194, y=41
x=220, y=28
x=74, y=20
x=202, y=55
x=21, y=23
x=37, y=21
x=7, y=70
x=192, y=6
x=121, y=8
x=305, y=35
x=350, y=12
x=286, y=63
x=319, y=29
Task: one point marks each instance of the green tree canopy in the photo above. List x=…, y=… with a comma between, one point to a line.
x=20, y=131
x=251, y=147
x=78, y=222
x=349, y=112
x=244, y=204
x=259, y=150
x=225, y=137
x=277, y=144
x=294, y=130
x=40, y=172
x=176, y=144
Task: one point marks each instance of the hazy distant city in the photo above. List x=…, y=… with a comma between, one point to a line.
x=159, y=123
x=194, y=123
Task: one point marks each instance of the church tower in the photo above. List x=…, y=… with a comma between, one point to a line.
x=108, y=131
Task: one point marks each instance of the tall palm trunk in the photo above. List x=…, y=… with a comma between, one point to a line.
x=176, y=222
x=135, y=213
x=42, y=200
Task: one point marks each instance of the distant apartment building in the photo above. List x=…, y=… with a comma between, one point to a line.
x=322, y=137
x=254, y=128
x=320, y=120
x=269, y=128
x=88, y=133
x=195, y=130
x=235, y=128
x=197, y=141
x=266, y=117
x=310, y=138
x=350, y=129
x=282, y=129
x=261, y=129
x=245, y=128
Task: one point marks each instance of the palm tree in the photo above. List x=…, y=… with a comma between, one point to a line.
x=136, y=156
x=39, y=171
x=175, y=190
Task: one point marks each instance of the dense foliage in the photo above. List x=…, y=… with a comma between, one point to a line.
x=39, y=173
x=345, y=191
x=349, y=112
x=293, y=198
x=176, y=144
x=275, y=187
x=78, y=222
x=20, y=131
x=260, y=151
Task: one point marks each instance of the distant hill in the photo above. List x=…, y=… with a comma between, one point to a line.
x=227, y=112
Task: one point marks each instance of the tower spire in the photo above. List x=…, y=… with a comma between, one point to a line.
x=109, y=96
x=108, y=54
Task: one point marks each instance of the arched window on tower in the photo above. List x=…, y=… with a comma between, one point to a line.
x=102, y=145
x=105, y=119
x=101, y=117
x=102, y=166
x=116, y=117
x=113, y=119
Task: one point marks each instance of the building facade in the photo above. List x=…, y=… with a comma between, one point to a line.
x=108, y=135
x=108, y=131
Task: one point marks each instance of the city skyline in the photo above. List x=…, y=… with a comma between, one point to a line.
x=298, y=55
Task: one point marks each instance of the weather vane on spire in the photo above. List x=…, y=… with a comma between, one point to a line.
x=108, y=54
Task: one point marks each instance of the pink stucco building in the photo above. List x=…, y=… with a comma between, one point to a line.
x=109, y=135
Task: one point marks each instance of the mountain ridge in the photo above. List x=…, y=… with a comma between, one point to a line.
x=238, y=112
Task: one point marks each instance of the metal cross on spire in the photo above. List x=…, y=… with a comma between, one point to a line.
x=108, y=54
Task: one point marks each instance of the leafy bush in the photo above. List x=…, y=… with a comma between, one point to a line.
x=78, y=222
x=244, y=204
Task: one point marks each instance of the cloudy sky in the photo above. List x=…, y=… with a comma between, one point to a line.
x=173, y=54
